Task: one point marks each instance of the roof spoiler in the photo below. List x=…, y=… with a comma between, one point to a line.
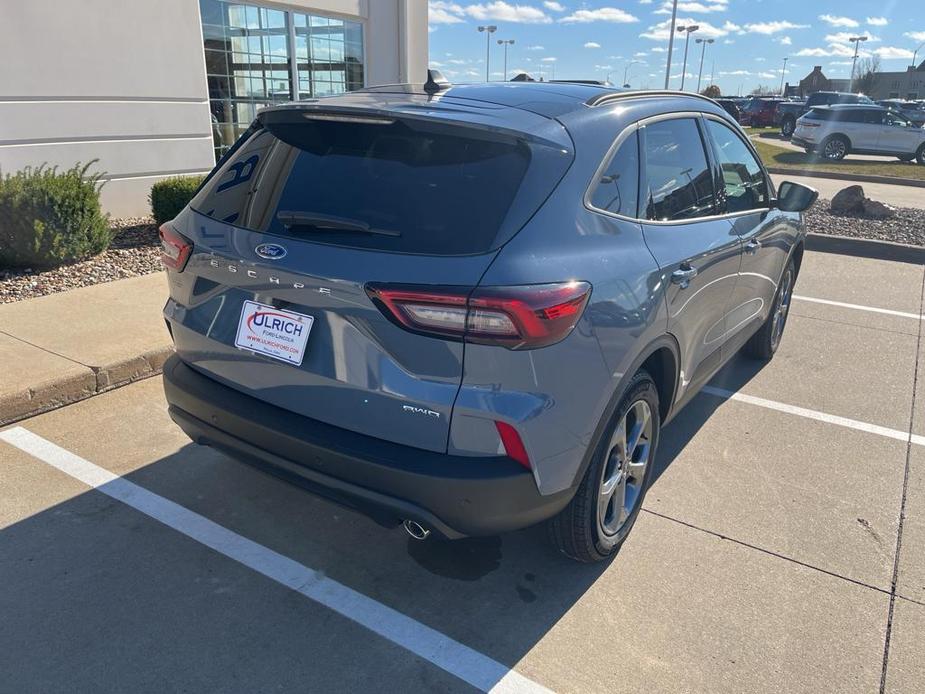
x=436, y=82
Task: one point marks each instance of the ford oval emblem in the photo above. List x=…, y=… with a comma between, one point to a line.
x=270, y=251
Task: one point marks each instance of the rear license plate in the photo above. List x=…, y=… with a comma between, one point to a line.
x=274, y=332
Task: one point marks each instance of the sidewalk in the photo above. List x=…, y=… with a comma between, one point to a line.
x=898, y=196
x=65, y=347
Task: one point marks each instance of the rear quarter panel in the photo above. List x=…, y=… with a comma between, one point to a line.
x=556, y=396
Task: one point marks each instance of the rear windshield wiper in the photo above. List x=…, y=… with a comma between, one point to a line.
x=326, y=222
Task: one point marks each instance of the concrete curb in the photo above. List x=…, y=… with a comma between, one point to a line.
x=855, y=178
x=91, y=381
x=866, y=248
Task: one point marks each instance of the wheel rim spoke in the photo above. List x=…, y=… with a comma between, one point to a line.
x=625, y=468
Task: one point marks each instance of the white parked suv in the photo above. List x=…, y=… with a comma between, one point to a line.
x=835, y=131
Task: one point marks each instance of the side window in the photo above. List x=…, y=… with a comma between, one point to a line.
x=617, y=191
x=679, y=184
x=893, y=118
x=745, y=185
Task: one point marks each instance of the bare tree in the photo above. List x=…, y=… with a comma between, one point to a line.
x=712, y=91
x=867, y=71
x=762, y=90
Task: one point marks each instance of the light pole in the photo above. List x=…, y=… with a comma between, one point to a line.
x=489, y=30
x=703, y=50
x=690, y=30
x=505, y=43
x=783, y=73
x=626, y=69
x=674, y=15
x=916, y=52
x=856, y=40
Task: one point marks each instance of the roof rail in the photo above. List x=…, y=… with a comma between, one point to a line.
x=607, y=97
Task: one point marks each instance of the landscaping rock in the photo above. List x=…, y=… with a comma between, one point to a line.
x=878, y=210
x=907, y=225
x=849, y=200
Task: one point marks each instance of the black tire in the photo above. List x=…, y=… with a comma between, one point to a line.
x=838, y=144
x=764, y=343
x=787, y=126
x=577, y=531
x=905, y=157
x=920, y=155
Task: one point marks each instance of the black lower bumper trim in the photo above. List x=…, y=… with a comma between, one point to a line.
x=456, y=496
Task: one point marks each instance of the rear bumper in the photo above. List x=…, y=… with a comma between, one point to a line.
x=456, y=496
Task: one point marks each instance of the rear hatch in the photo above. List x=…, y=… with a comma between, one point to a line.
x=317, y=201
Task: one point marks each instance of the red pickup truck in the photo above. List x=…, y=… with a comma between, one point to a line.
x=760, y=112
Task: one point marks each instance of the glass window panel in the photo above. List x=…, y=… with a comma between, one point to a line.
x=252, y=17
x=617, y=190
x=679, y=180
x=236, y=16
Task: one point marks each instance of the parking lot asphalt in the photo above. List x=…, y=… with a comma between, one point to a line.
x=781, y=548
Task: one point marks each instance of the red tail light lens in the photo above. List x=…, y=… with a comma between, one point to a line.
x=521, y=317
x=513, y=444
x=175, y=248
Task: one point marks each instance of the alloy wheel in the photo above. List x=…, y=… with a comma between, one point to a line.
x=624, y=470
x=782, y=308
x=835, y=149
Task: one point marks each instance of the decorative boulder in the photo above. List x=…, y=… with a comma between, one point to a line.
x=878, y=210
x=849, y=200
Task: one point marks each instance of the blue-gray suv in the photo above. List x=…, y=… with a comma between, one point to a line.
x=473, y=308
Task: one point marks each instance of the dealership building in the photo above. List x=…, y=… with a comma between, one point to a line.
x=153, y=89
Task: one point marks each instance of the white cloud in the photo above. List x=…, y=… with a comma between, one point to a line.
x=786, y=41
x=839, y=21
x=662, y=30
x=735, y=72
x=646, y=2
x=550, y=59
x=835, y=49
x=603, y=14
x=554, y=6
x=501, y=11
x=693, y=6
x=877, y=21
x=536, y=48
x=893, y=53
x=603, y=67
x=640, y=54
x=769, y=28
x=592, y=44
x=658, y=49
x=445, y=12
x=845, y=37
x=915, y=35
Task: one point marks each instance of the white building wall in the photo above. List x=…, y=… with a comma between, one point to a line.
x=123, y=81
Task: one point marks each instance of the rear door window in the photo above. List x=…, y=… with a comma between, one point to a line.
x=678, y=179
x=617, y=190
x=379, y=183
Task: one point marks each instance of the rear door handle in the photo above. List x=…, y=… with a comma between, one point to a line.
x=683, y=276
x=752, y=246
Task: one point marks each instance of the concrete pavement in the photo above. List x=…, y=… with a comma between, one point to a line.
x=779, y=549
x=64, y=347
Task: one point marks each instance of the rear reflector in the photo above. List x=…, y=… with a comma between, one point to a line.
x=175, y=248
x=521, y=317
x=513, y=444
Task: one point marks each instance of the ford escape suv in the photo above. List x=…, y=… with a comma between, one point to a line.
x=472, y=308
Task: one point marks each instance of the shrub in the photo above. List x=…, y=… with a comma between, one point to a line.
x=48, y=217
x=170, y=195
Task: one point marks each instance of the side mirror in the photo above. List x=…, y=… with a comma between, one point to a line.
x=795, y=197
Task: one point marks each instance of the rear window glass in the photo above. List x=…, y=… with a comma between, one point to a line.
x=403, y=186
x=820, y=114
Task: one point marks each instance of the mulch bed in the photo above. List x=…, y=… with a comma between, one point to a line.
x=134, y=251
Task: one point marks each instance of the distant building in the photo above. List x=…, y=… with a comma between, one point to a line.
x=816, y=81
x=909, y=84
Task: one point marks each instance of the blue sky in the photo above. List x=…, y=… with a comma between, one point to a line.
x=575, y=39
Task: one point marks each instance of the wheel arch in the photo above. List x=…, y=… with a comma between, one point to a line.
x=661, y=359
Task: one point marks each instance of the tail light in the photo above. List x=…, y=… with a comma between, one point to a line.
x=520, y=317
x=175, y=248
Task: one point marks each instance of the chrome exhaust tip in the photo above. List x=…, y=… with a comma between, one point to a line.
x=416, y=530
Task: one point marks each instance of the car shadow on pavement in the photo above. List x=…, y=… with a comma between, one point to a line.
x=97, y=596
x=676, y=435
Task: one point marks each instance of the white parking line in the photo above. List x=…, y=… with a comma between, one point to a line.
x=818, y=416
x=859, y=307
x=465, y=663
